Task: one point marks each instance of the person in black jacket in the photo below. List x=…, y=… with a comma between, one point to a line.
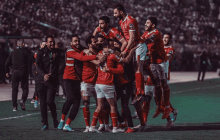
x=47, y=65
x=19, y=60
x=204, y=61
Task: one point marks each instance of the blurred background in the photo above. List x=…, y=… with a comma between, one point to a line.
x=195, y=24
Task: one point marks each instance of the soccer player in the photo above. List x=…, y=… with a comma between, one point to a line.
x=72, y=78
x=109, y=32
x=89, y=75
x=130, y=30
x=154, y=40
x=105, y=88
x=167, y=40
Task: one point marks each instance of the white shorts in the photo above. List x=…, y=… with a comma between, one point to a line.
x=87, y=89
x=106, y=91
x=141, y=50
x=158, y=70
x=149, y=90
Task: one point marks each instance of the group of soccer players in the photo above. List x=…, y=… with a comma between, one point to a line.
x=124, y=59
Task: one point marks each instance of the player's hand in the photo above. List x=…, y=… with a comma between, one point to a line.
x=42, y=45
x=7, y=74
x=47, y=76
x=123, y=54
x=105, y=69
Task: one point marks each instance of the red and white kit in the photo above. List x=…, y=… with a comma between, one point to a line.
x=130, y=24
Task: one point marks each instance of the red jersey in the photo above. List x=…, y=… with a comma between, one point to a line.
x=130, y=24
x=156, y=48
x=107, y=78
x=169, y=50
x=71, y=55
x=113, y=33
x=89, y=72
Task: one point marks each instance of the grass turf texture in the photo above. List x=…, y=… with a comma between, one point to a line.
x=198, y=118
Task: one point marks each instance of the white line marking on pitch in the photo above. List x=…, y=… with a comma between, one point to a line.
x=19, y=116
x=95, y=104
x=195, y=89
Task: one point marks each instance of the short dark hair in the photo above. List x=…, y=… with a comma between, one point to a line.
x=106, y=44
x=49, y=36
x=105, y=18
x=20, y=41
x=101, y=36
x=119, y=6
x=89, y=39
x=153, y=20
x=74, y=35
x=110, y=39
x=115, y=40
x=170, y=35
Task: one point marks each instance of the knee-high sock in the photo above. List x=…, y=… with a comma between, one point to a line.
x=139, y=82
x=95, y=118
x=114, y=119
x=86, y=114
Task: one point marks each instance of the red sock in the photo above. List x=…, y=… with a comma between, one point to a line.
x=86, y=114
x=166, y=96
x=101, y=117
x=68, y=121
x=95, y=118
x=139, y=82
x=146, y=108
x=114, y=119
x=36, y=98
x=140, y=114
x=63, y=117
x=107, y=113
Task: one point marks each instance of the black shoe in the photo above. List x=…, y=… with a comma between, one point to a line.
x=45, y=127
x=55, y=123
x=22, y=105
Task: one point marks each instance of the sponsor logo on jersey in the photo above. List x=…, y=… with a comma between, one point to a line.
x=131, y=26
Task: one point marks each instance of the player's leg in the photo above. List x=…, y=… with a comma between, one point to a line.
x=109, y=92
x=100, y=105
x=15, y=83
x=86, y=93
x=43, y=105
x=75, y=105
x=68, y=87
x=124, y=103
x=166, y=90
x=51, y=92
x=158, y=89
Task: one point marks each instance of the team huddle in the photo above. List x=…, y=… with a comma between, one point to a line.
x=114, y=62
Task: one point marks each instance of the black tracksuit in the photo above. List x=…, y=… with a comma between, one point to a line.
x=47, y=62
x=19, y=60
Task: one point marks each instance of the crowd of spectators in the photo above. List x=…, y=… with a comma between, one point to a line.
x=192, y=22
